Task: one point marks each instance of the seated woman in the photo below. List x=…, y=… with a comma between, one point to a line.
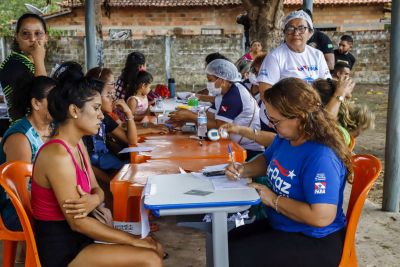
x=307, y=165
x=233, y=104
x=100, y=155
x=65, y=191
x=24, y=138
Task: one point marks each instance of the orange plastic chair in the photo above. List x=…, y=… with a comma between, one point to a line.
x=14, y=179
x=352, y=143
x=366, y=170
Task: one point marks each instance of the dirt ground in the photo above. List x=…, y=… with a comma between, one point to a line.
x=373, y=141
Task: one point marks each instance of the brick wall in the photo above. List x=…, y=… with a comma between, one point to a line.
x=153, y=21
x=187, y=53
x=372, y=52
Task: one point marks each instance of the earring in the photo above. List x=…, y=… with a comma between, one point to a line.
x=75, y=116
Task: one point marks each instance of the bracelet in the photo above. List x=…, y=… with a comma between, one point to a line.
x=130, y=119
x=276, y=203
x=255, y=133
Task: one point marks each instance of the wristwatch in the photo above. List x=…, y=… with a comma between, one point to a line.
x=339, y=98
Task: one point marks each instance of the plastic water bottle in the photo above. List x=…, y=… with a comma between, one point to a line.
x=202, y=123
x=171, y=87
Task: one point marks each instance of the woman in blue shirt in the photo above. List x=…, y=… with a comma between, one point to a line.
x=307, y=165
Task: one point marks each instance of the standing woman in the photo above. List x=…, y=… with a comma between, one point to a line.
x=255, y=50
x=62, y=176
x=27, y=58
x=134, y=63
x=24, y=138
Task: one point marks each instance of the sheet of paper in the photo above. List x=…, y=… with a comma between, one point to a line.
x=224, y=183
x=144, y=219
x=136, y=149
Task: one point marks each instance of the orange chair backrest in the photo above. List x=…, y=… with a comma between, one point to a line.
x=366, y=170
x=14, y=177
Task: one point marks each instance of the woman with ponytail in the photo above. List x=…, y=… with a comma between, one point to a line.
x=27, y=57
x=306, y=166
x=24, y=138
x=134, y=63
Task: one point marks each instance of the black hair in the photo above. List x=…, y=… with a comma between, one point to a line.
x=71, y=92
x=38, y=88
x=19, y=25
x=143, y=77
x=341, y=65
x=69, y=70
x=131, y=70
x=346, y=38
x=214, y=56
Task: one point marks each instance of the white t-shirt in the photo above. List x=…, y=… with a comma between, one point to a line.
x=282, y=62
x=237, y=106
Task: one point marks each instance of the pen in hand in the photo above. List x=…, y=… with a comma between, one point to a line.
x=236, y=174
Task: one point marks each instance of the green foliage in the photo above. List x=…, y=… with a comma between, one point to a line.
x=11, y=10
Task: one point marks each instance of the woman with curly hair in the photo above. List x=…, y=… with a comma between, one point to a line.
x=307, y=165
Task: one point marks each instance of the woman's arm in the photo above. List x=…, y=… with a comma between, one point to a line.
x=317, y=215
x=263, y=138
x=17, y=147
x=86, y=203
x=59, y=171
x=130, y=136
x=38, y=54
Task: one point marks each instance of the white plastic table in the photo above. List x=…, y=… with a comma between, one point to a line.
x=168, y=198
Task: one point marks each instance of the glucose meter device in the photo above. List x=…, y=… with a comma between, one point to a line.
x=213, y=135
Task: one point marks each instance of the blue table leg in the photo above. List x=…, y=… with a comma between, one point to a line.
x=220, y=239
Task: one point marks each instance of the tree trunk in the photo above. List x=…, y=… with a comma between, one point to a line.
x=266, y=18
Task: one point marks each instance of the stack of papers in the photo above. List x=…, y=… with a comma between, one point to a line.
x=221, y=182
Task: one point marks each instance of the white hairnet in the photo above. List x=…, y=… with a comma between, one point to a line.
x=299, y=14
x=223, y=69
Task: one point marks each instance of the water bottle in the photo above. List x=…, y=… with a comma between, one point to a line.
x=171, y=87
x=202, y=123
x=193, y=101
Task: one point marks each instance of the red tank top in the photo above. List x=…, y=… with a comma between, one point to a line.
x=44, y=202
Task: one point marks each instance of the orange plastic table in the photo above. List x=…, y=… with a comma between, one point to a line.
x=181, y=146
x=127, y=185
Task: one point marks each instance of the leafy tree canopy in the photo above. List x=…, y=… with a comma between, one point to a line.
x=10, y=11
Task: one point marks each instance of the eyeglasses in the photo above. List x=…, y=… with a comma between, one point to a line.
x=110, y=95
x=274, y=123
x=110, y=83
x=26, y=35
x=291, y=29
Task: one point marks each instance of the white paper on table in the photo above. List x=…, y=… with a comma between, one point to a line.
x=136, y=149
x=144, y=219
x=223, y=183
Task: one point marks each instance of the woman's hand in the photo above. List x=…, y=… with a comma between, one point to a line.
x=234, y=171
x=150, y=243
x=121, y=105
x=38, y=51
x=230, y=128
x=345, y=86
x=181, y=115
x=266, y=194
x=159, y=129
x=81, y=207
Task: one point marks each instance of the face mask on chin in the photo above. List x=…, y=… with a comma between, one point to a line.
x=253, y=79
